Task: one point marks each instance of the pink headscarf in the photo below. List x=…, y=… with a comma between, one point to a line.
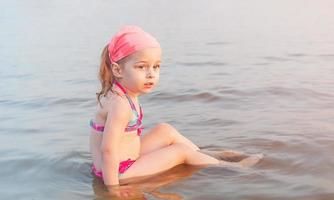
x=129, y=40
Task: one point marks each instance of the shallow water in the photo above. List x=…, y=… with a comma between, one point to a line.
x=253, y=76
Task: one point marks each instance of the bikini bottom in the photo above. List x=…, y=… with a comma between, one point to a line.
x=123, y=166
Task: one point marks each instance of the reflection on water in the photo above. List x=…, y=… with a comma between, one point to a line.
x=149, y=186
x=251, y=76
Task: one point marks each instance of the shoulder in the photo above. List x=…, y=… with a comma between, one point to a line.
x=118, y=114
x=117, y=104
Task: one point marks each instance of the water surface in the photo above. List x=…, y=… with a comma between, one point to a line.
x=254, y=76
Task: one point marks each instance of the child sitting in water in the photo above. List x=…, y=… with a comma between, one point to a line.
x=130, y=67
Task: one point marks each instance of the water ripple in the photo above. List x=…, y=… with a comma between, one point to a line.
x=202, y=64
x=297, y=54
x=201, y=96
x=275, y=58
x=280, y=92
x=42, y=102
x=217, y=43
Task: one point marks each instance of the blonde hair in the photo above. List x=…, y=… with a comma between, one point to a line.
x=106, y=76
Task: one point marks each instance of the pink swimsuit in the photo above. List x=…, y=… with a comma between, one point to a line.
x=134, y=124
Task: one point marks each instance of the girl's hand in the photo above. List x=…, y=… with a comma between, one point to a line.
x=123, y=191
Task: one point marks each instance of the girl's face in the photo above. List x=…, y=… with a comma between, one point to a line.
x=141, y=70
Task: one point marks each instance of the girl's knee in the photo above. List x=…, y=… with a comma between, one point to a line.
x=164, y=126
x=170, y=132
x=168, y=128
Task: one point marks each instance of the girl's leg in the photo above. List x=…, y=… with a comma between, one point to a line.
x=164, y=135
x=161, y=136
x=175, y=154
x=165, y=158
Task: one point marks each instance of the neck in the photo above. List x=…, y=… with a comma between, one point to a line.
x=133, y=95
x=130, y=93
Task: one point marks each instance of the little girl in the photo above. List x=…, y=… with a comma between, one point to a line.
x=130, y=67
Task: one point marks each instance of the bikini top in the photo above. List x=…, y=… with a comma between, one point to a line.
x=134, y=124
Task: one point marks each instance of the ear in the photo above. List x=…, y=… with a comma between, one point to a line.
x=116, y=70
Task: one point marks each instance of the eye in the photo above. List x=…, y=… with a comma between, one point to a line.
x=140, y=66
x=156, y=66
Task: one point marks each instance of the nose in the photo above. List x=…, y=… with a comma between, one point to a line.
x=150, y=73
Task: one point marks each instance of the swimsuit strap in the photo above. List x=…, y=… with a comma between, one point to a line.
x=120, y=86
x=140, y=128
x=133, y=107
x=99, y=128
x=138, y=124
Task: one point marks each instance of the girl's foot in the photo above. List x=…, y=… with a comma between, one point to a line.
x=231, y=155
x=226, y=155
x=246, y=162
x=251, y=160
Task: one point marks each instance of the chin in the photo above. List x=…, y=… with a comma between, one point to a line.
x=146, y=91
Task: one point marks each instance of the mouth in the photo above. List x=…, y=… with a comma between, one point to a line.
x=148, y=84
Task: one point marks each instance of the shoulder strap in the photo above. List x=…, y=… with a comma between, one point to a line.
x=133, y=107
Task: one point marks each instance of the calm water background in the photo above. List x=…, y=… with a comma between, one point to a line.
x=254, y=76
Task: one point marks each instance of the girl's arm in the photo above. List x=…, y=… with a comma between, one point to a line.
x=118, y=117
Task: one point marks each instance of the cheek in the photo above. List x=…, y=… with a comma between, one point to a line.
x=135, y=76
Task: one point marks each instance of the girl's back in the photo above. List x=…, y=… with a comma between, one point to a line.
x=130, y=143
